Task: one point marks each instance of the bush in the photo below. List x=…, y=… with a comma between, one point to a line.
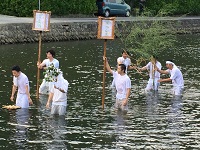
x=174, y=7
x=58, y=8
x=88, y=7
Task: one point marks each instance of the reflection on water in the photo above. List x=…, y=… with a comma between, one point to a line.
x=154, y=121
x=175, y=122
x=20, y=120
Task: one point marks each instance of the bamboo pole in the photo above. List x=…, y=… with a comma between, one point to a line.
x=153, y=71
x=153, y=74
x=39, y=61
x=39, y=4
x=104, y=74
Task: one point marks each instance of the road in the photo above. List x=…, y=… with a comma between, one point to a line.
x=4, y=19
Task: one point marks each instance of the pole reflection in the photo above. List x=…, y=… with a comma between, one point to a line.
x=175, y=122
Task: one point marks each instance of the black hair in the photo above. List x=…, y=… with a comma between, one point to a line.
x=123, y=67
x=16, y=68
x=155, y=57
x=124, y=51
x=52, y=52
x=170, y=60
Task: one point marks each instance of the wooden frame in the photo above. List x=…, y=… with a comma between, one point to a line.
x=106, y=28
x=41, y=20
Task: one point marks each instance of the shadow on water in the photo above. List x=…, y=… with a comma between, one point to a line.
x=154, y=121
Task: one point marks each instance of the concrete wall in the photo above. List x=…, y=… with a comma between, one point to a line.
x=22, y=33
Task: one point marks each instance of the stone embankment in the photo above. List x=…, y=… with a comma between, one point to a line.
x=23, y=33
x=61, y=31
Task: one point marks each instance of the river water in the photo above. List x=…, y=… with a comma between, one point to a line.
x=154, y=121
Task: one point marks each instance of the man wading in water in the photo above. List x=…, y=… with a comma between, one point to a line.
x=176, y=77
x=154, y=75
x=123, y=85
x=20, y=81
x=47, y=86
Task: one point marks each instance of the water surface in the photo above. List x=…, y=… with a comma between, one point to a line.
x=154, y=121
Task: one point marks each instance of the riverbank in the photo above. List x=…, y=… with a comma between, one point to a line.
x=19, y=29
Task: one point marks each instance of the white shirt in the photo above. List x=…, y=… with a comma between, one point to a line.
x=55, y=62
x=126, y=62
x=149, y=67
x=21, y=82
x=176, y=76
x=122, y=83
x=59, y=98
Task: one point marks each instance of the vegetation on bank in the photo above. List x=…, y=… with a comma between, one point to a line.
x=169, y=7
x=144, y=39
x=57, y=7
x=88, y=7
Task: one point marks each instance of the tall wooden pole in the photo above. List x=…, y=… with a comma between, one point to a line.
x=39, y=4
x=153, y=72
x=39, y=61
x=104, y=74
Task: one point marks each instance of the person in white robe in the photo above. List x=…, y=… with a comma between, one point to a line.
x=154, y=75
x=21, y=85
x=176, y=77
x=123, y=86
x=58, y=96
x=45, y=87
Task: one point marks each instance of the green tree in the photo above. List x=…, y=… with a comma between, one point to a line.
x=146, y=38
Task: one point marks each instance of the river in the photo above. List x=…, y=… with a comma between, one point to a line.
x=154, y=121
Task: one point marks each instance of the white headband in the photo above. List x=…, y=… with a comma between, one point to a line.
x=169, y=62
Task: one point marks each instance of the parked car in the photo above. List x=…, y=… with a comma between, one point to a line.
x=113, y=7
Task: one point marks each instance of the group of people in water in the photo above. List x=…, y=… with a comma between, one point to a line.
x=122, y=82
x=57, y=89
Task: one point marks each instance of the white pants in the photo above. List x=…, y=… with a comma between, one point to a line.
x=22, y=100
x=119, y=105
x=177, y=90
x=152, y=84
x=46, y=87
x=58, y=109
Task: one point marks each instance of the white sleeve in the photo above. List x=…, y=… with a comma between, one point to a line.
x=160, y=66
x=128, y=83
x=173, y=74
x=45, y=62
x=148, y=65
x=26, y=81
x=56, y=64
x=65, y=86
x=129, y=62
x=168, y=71
x=114, y=74
x=15, y=81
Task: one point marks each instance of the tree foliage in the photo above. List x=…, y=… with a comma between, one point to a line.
x=58, y=8
x=66, y=7
x=173, y=7
x=147, y=38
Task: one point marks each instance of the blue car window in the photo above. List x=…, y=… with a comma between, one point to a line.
x=112, y=1
x=119, y=1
